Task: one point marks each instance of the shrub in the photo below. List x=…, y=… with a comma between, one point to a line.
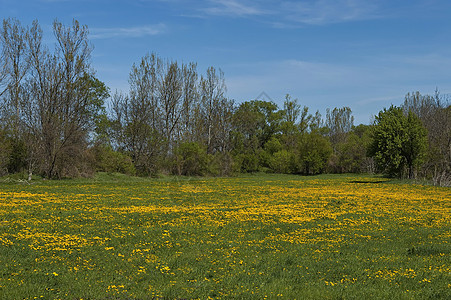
x=110, y=161
x=190, y=159
x=283, y=161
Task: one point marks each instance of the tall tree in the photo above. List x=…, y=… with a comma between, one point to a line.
x=13, y=37
x=61, y=99
x=190, y=100
x=398, y=142
x=170, y=93
x=137, y=117
x=212, y=94
x=339, y=121
x=435, y=114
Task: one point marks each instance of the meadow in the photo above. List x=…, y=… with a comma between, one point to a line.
x=249, y=237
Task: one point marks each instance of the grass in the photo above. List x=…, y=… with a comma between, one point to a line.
x=251, y=237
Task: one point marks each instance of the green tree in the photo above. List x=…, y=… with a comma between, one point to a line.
x=190, y=159
x=283, y=161
x=315, y=151
x=398, y=142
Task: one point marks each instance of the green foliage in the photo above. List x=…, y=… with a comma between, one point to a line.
x=258, y=119
x=18, y=155
x=315, y=151
x=273, y=145
x=190, y=159
x=398, y=142
x=284, y=162
x=5, y=152
x=350, y=154
x=222, y=164
x=416, y=144
x=110, y=161
x=176, y=120
x=248, y=162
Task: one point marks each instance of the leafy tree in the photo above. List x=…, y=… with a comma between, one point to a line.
x=273, y=145
x=314, y=153
x=258, y=119
x=283, y=161
x=415, y=144
x=190, y=159
x=294, y=120
x=136, y=118
x=398, y=142
x=108, y=160
x=51, y=99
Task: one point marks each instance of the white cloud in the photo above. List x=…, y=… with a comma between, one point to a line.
x=365, y=86
x=290, y=13
x=321, y=12
x=233, y=8
x=127, y=32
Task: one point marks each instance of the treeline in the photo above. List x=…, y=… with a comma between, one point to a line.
x=54, y=121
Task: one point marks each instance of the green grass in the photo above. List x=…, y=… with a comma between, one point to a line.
x=250, y=237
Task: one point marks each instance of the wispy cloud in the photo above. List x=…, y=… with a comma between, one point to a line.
x=290, y=13
x=233, y=8
x=321, y=12
x=128, y=32
x=365, y=86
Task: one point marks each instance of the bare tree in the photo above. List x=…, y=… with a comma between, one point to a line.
x=60, y=101
x=137, y=117
x=3, y=67
x=212, y=92
x=170, y=92
x=14, y=67
x=190, y=99
x=339, y=121
x=435, y=114
x=223, y=124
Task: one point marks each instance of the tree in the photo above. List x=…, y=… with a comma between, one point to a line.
x=254, y=124
x=314, y=153
x=136, y=118
x=15, y=63
x=60, y=101
x=190, y=99
x=259, y=119
x=289, y=126
x=415, y=144
x=5, y=152
x=339, y=124
x=339, y=121
x=212, y=100
x=190, y=159
x=352, y=156
x=170, y=93
x=435, y=114
x=398, y=142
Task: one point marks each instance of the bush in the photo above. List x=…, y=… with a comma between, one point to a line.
x=315, y=151
x=110, y=161
x=5, y=151
x=190, y=159
x=248, y=162
x=222, y=164
x=283, y=161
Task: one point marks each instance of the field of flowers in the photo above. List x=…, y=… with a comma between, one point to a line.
x=254, y=237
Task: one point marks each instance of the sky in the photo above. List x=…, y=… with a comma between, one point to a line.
x=362, y=54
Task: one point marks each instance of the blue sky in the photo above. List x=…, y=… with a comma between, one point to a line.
x=327, y=53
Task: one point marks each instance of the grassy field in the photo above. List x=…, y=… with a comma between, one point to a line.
x=254, y=237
